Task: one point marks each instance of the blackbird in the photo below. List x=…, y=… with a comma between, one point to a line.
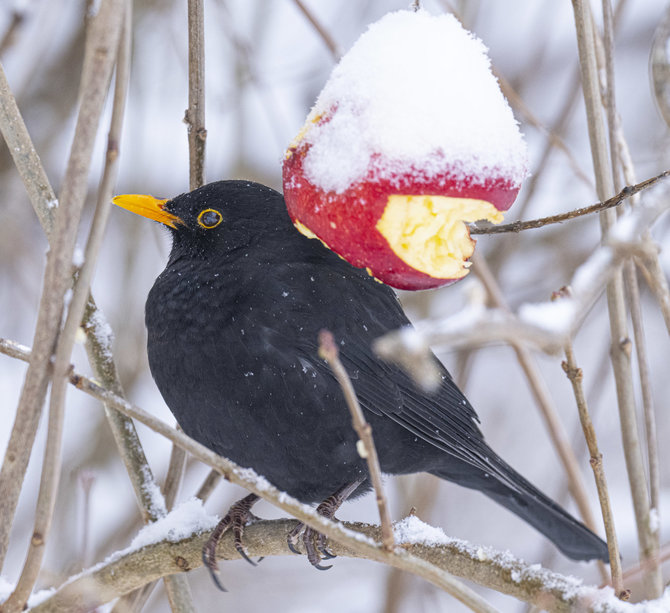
x=232, y=328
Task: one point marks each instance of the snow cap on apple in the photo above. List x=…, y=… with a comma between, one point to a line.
x=410, y=138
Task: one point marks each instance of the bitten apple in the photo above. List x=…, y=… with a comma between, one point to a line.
x=397, y=156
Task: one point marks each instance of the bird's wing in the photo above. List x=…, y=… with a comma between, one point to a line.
x=363, y=311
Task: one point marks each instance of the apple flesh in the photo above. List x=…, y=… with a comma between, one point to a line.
x=405, y=228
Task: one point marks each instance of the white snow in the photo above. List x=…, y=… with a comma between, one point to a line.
x=415, y=92
x=187, y=518
x=654, y=520
x=557, y=316
x=152, y=489
x=93, y=8
x=259, y=481
x=78, y=257
x=6, y=588
x=102, y=331
x=413, y=530
x=605, y=600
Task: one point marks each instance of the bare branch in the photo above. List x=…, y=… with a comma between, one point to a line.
x=17, y=19
x=621, y=154
x=99, y=60
x=26, y=160
x=195, y=114
x=575, y=376
x=619, y=151
x=538, y=386
x=328, y=351
x=615, y=201
x=658, y=284
x=128, y=570
x=320, y=30
x=620, y=348
x=211, y=481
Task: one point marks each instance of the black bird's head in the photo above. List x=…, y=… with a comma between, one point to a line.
x=221, y=216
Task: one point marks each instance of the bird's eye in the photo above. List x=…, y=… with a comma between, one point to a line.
x=209, y=218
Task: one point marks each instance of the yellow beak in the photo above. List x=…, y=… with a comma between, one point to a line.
x=147, y=206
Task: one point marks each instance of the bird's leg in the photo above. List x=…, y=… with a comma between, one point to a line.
x=237, y=517
x=313, y=541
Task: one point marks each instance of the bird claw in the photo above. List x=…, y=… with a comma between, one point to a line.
x=243, y=553
x=309, y=537
x=319, y=567
x=292, y=539
x=237, y=517
x=314, y=543
x=326, y=555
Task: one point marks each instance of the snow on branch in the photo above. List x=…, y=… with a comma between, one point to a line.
x=129, y=569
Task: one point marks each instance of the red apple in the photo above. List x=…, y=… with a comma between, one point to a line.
x=406, y=229
x=404, y=146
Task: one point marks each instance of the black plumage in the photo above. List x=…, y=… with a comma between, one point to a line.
x=233, y=322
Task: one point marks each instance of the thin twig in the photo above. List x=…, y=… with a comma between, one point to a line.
x=174, y=476
x=653, y=464
x=620, y=347
x=659, y=67
x=633, y=572
x=622, y=161
x=17, y=19
x=599, y=207
x=195, y=114
x=101, y=52
x=321, y=31
x=56, y=277
x=179, y=594
x=86, y=480
x=553, y=137
x=409, y=347
x=98, y=335
x=366, y=446
x=211, y=481
x=575, y=376
x=544, y=402
x=557, y=128
x=621, y=155
x=34, y=390
x=98, y=342
x=655, y=278
x=26, y=160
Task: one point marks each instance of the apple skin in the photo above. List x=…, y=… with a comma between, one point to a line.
x=346, y=222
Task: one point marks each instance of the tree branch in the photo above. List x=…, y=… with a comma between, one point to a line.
x=128, y=570
x=574, y=374
x=325, y=36
x=195, y=114
x=328, y=351
x=599, y=207
x=99, y=59
x=620, y=344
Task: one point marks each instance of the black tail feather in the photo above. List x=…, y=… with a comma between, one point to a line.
x=508, y=488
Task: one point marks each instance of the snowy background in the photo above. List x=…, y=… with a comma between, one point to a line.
x=265, y=67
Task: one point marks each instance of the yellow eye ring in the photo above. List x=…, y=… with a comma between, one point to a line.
x=209, y=218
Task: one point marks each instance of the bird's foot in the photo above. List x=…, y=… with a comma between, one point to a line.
x=314, y=542
x=238, y=516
